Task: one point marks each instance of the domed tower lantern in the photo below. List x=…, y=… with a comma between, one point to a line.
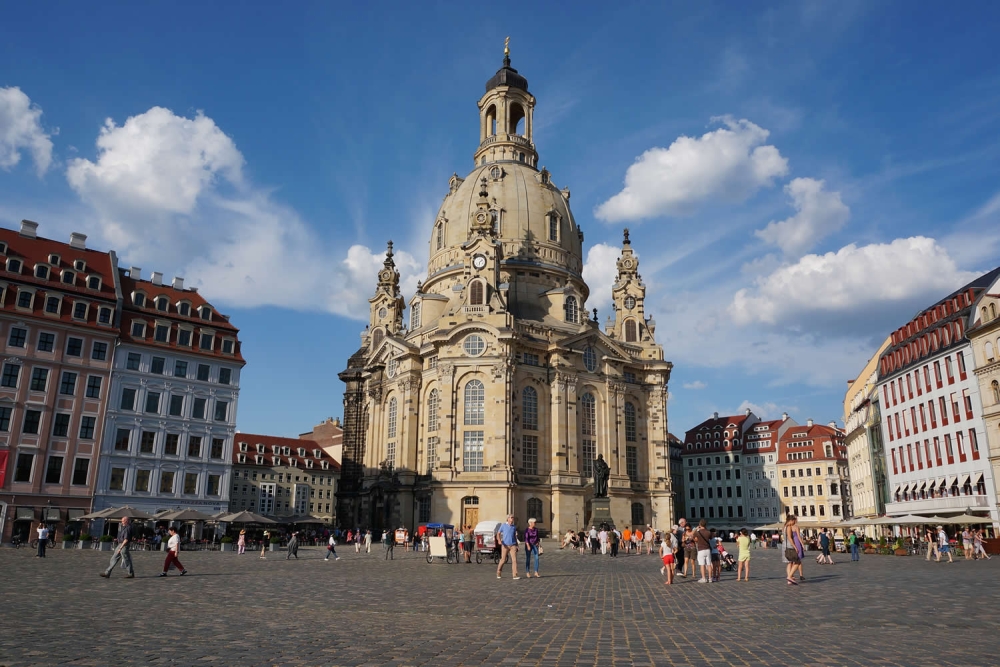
x=506, y=113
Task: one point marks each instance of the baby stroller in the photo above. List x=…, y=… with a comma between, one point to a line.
x=728, y=562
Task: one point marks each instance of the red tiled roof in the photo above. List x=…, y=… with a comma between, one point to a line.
x=768, y=431
x=148, y=312
x=717, y=425
x=820, y=434
x=272, y=441
x=34, y=251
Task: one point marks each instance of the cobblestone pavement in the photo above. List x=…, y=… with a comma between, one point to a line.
x=585, y=610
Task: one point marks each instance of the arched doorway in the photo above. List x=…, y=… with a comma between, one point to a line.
x=470, y=511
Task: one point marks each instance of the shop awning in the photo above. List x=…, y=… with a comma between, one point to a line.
x=979, y=478
x=966, y=479
x=895, y=491
x=52, y=514
x=952, y=480
x=933, y=484
x=923, y=485
x=941, y=484
x=906, y=488
x=75, y=514
x=25, y=514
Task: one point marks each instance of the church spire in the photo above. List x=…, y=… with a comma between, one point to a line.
x=387, y=304
x=506, y=113
x=629, y=295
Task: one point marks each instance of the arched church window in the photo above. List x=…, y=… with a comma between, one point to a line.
x=391, y=420
x=415, y=316
x=491, y=121
x=631, y=335
x=988, y=349
x=377, y=338
x=440, y=236
x=630, y=435
x=996, y=391
x=638, y=514
x=529, y=409
x=475, y=401
x=588, y=433
x=476, y=297
x=433, y=404
x=993, y=311
x=520, y=157
x=516, y=123
x=571, y=309
x=535, y=510
x=553, y=227
x=590, y=359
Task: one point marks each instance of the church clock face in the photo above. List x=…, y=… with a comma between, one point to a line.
x=481, y=217
x=629, y=302
x=627, y=263
x=479, y=262
x=382, y=312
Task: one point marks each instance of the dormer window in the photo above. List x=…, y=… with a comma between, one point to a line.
x=309, y=463
x=93, y=282
x=41, y=271
x=79, y=311
x=3, y=248
x=276, y=460
x=553, y=226
x=228, y=345
x=52, y=305
x=275, y=449
x=260, y=448
x=162, y=303
x=302, y=452
x=138, y=330
x=69, y=277
x=243, y=446
x=54, y=260
x=205, y=313
x=14, y=265
x=259, y=460
x=80, y=265
x=572, y=311
x=287, y=451
x=324, y=464
x=184, y=308
x=241, y=458
x=292, y=462
x=318, y=453
x=25, y=298
x=139, y=299
x=104, y=315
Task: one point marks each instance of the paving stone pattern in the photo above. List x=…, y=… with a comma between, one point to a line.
x=585, y=610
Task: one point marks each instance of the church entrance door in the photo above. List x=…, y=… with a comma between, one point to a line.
x=471, y=517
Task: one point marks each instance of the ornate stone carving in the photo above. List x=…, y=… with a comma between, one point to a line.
x=375, y=392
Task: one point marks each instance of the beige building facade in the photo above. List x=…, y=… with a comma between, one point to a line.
x=860, y=425
x=984, y=334
x=501, y=391
x=813, y=474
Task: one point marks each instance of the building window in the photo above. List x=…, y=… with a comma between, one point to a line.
x=60, y=425
x=167, y=481
x=529, y=409
x=184, y=308
x=5, y=414
x=206, y=341
x=225, y=375
x=535, y=510
x=147, y=442
x=588, y=431
x=121, y=439
x=170, y=445
x=228, y=346
x=93, y=386
x=162, y=333
x=475, y=400
x=590, y=359
x=217, y=447
x=17, y=337
x=52, y=305
x=132, y=361
x=529, y=454
x=184, y=338
x=176, y=405
x=74, y=347
x=630, y=431
x=46, y=342
x=476, y=296
x=104, y=316
x=99, y=352
x=206, y=313
x=190, y=483
x=10, y=375
x=433, y=403
x=79, y=311
x=424, y=509
x=572, y=311
x=221, y=411
x=432, y=443
x=553, y=226
x=39, y=379
x=415, y=316
x=630, y=331
x=117, y=482
x=153, y=402
x=22, y=471
x=87, y=426
x=24, y=299
x=31, y=421
x=198, y=411
x=391, y=421
x=81, y=468
x=203, y=372
x=156, y=366
x=639, y=514
x=53, y=471
x=472, y=451
x=632, y=462
x=180, y=369
x=142, y=480
x=390, y=454
x=194, y=447
x=138, y=330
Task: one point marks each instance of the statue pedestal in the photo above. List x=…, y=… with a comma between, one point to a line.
x=601, y=512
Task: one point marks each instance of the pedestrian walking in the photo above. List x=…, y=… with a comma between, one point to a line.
x=293, y=547
x=743, y=564
x=389, y=544
x=753, y=539
x=852, y=541
x=690, y=552
x=241, y=543
x=43, y=540
x=703, y=545
x=679, y=558
x=263, y=545
x=616, y=539
x=932, y=548
x=793, y=550
x=648, y=539
x=668, y=553
x=977, y=540
x=637, y=540
x=331, y=548
x=943, y=546
x=824, y=557
x=173, y=551
x=532, y=547
x=507, y=539
x=967, y=550
x=121, y=553
x=368, y=541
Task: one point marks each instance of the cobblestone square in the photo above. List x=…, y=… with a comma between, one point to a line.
x=584, y=610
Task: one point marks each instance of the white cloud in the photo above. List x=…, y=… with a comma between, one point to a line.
x=697, y=384
x=21, y=129
x=819, y=214
x=767, y=410
x=169, y=191
x=852, y=281
x=731, y=163
x=599, y=272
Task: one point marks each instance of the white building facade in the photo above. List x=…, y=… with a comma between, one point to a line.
x=760, y=469
x=171, y=418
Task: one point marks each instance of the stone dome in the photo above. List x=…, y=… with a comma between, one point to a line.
x=528, y=211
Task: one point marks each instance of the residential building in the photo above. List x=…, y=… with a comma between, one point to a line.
x=168, y=443
x=932, y=415
x=863, y=440
x=329, y=434
x=812, y=473
x=59, y=309
x=283, y=477
x=760, y=469
x=984, y=336
x=714, y=482
x=501, y=392
x=676, y=465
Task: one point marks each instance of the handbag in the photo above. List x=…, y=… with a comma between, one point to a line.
x=540, y=549
x=791, y=554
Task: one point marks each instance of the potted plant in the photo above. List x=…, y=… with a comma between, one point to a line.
x=899, y=549
x=105, y=542
x=275, y=541
x=227, y=543
x=84, y=542
x=67, y=541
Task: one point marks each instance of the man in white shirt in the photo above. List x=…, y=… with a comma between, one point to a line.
x=43, y=540
x=173, y=549
x=331, y=548
x=603, y=537
x=648, y=539
x=944, y=547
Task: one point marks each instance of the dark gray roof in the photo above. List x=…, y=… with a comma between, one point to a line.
x=507, y=76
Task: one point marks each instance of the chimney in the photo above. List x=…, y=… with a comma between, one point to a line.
x=156, y=278
x=29, y=229
x=178, y=283
x=715, y=415
x=784, y=416
x=832, y=424
x=748, y=412
x=135, y=273
x=78, y=240
x=809, y=423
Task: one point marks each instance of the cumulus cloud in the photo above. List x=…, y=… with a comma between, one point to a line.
x=21, y=129
x=819, y=213
x=766, y=411
x=170, y=190
x=599, y=272
x=856, y=280
x=731, y=163
x=697, y=384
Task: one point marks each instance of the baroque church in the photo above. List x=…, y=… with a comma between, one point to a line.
x=500, y=391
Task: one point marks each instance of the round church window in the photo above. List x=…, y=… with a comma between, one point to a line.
x=474, y=345
x=630, y=302
x=590, y=359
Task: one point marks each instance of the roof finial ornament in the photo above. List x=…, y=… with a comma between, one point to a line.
x=595, y=314
x=388, y=252
x=483, y=192
x=506, y=52
x=627, y=242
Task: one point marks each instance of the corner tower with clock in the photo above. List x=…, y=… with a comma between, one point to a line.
x=501, y=393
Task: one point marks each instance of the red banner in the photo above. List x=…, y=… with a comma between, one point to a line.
x=3, y=467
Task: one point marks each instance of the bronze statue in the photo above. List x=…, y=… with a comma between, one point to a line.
x=601, y=474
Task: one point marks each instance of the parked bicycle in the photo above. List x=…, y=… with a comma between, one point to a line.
x=50, y=543
x=16, y=541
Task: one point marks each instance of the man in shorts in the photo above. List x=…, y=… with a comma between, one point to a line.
x=702, y=541
x=713, y=547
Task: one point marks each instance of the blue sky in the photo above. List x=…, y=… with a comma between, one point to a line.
x=799, y=178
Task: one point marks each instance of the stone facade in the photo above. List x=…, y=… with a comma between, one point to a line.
x=861, y=424
x=501, y=391
x=984, y=335
x=813, y=474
